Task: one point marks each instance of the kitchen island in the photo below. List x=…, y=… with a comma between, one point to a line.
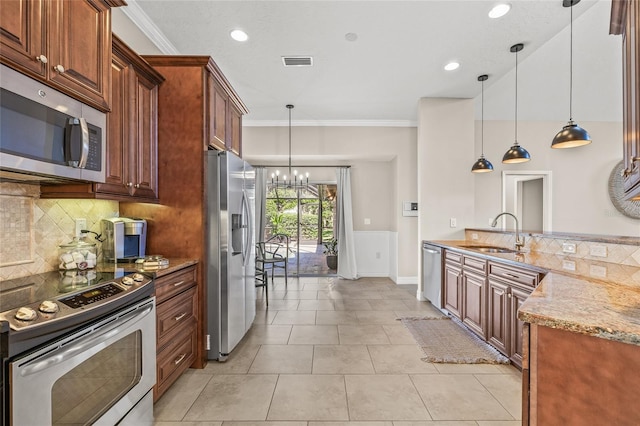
x=581, y=339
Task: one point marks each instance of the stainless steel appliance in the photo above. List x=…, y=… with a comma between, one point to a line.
x=46, y=135
x=432, y=274
x=230, y=251
x=126, y=239
x=79, y=352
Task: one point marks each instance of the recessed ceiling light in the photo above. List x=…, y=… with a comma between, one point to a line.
x=351, y=36
x=451, y=66
x=499, y=10
x=239, y=35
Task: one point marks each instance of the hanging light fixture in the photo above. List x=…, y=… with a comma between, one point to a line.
x=295, y=180
x=482, y=165
x=516, y=154
x=571, y=134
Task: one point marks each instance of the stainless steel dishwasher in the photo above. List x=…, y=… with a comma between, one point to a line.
x=432, y=274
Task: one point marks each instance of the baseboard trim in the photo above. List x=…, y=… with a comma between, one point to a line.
x=407, y=280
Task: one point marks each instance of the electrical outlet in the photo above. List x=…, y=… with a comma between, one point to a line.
x=453, y=222
x=80, y=225
x=569, y=265
x=598, y=251
x=474, y=236
x=367, y=221
x=568, y=248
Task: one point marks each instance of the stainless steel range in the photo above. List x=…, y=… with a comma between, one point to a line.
x=77, y=348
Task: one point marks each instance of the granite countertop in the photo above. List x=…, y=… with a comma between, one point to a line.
x=594, y=298
x=175, y=264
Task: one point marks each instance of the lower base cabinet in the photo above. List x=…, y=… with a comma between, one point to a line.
x=176, y=326
x=573, y=379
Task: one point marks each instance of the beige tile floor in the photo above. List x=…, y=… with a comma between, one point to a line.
x=331, y=352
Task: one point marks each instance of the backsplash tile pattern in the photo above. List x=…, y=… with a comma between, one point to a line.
x=53, y=223
x=621, y=254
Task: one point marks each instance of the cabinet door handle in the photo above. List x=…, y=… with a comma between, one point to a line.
x=506, y=274
x=59, y=68
x=128, y=184
x=179, y=317
x=137, y=185
x=179, y=359
x=178, y=283
x=41, y=58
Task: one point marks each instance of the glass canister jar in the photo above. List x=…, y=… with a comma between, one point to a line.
x=77, y=254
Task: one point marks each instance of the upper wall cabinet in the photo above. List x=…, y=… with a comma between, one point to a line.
x=132, y=136
x=625, y=18
x=64, y=43
x=221, y=106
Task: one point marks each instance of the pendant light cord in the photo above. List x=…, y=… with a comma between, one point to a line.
x=516, y=109
x=571, y=65
x=289, y=107
x=482, y=119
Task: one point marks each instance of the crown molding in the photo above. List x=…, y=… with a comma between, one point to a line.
x=135, y=13
x=329, y=123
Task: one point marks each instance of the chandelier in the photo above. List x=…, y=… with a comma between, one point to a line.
x=293, y=180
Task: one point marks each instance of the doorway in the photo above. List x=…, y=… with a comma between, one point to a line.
x=527, y=194
x=306, y=216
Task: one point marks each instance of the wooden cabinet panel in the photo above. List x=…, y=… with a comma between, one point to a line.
x=132, y=135
x=174, y=360
x=176, y=326
x=170, y=285
x=516, y=348
x=514, y=274
x=474, y=302
x=216, y=114
x=452, y=293
x=64, y=43
x=235, y=143
x=80, y=48
x=22, y=28
x=498, y=320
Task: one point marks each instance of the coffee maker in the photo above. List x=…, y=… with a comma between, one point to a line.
x=126, y=239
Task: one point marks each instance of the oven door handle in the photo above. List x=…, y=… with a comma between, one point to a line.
x=84, y=343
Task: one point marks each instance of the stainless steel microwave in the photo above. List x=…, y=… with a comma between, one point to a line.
x=47, y=135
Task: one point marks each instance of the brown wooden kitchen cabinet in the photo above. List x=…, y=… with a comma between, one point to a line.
x=509, y=286
x=452, y=283
x=574, y=379
x=176, y=326
x=132, y=142
x=465, y=290
x=224, y=114
x=178, y=229
x=64, y=43
x=625, y=18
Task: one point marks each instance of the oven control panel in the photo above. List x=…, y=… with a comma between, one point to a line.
x=91, y=296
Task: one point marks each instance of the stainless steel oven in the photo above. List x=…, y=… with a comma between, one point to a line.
x=86, y=356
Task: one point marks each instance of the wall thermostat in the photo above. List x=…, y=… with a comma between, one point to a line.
x=409, y=208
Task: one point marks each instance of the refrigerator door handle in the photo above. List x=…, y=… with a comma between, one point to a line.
x=246, y=229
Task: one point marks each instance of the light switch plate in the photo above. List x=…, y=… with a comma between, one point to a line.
x=453, y=222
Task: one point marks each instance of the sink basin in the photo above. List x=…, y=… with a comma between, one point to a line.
x=491, y=249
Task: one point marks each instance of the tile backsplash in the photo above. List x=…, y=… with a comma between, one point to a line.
x=624, y=252
x=31, y=229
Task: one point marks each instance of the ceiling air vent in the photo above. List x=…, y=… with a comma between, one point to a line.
x=297, y=61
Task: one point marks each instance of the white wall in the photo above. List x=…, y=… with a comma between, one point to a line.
x=383, y=173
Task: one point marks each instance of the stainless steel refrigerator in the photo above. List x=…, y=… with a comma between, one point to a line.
x=230, y=195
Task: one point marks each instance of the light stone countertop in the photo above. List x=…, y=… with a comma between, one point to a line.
x=594, y=298
x=175, y=264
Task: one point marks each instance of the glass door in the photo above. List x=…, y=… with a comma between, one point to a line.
x=306, y=216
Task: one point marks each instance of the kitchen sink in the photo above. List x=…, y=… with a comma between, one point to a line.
x=491, y=249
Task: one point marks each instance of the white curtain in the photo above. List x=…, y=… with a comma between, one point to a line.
x=347, y=267
x=261, y=202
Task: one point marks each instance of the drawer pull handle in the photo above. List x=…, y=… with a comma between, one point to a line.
x=178, y=283
x=506, y=274
x=179, y=359
x=179, y=317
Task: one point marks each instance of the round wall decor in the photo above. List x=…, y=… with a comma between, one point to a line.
x=616, y=193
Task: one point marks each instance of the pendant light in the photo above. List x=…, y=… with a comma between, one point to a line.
x=516, y=154
x=482, y=165
x=571, y=135
x=296, y=181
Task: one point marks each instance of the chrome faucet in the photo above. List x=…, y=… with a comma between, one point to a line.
x=519, y=242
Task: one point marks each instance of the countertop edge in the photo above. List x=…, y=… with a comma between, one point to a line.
x=564, y=312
